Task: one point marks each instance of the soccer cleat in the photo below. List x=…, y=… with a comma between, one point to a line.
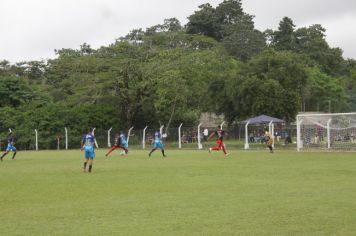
x=210, y=149
x=227, y=154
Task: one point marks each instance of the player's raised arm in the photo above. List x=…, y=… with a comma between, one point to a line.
x=82, y=143
x=95, y=143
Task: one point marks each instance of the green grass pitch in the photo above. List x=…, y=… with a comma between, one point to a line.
x=187, y=193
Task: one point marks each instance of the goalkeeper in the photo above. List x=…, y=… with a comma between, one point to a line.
x=269, y=140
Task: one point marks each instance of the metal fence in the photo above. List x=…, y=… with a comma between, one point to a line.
x=141, y=138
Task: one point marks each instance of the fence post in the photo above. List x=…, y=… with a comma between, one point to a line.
x=299, y=141
x=271, y=131
x=144, y=138
x=66, y=134
x=273, y=136
x=93, y=133
x=328, y=133
x=199, y=138
x=270, y=126
x=247, y=145
x=36, y=139
x=179, y=136
x=109, y=142
x=161, y=130
x=128, y=134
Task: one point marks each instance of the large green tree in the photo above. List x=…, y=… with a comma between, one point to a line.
x=284, y=37
x=168, y=74
x=308, y=41
x=326, y=93
x=15, y=91
x=271, y=83
x=229, y=24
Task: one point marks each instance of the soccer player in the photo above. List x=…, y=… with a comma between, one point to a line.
x=120, y=143
x=10, y=146
x=220, y=133
x=269, y=140
x=157, y=143
x=88, y=143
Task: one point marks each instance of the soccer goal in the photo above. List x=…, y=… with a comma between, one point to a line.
x=332, y=131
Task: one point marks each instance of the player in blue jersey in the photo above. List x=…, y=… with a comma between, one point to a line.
x=88, y=143
x=120, y=143
x=157, y=143
x=10, y=146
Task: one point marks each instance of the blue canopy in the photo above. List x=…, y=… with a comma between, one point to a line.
x=263, y=119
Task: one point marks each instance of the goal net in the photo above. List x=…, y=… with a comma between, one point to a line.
x=333, y=131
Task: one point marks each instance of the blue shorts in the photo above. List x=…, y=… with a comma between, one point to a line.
x=89, y=152
x=125, y=145
x=157, y=145
x=10, y=147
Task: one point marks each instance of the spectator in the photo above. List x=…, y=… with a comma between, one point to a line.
x=164, y=137
x=194, y=136
x=251, y=138
x=206, y=134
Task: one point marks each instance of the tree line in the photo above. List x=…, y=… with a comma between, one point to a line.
x=169, y=73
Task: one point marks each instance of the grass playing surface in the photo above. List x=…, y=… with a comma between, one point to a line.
x=187, y=193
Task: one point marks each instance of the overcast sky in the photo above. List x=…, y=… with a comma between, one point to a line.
x=32, y=29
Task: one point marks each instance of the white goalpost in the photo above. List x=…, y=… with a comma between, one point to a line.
x=332, y=131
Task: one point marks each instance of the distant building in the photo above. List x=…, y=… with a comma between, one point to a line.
x=208, y=119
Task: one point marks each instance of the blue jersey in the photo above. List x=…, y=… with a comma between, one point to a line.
x=157, y=143
x=88, y=140
x=10, y=139
x=88, y=145
x=157, y=137
x=123, y=141
x=10, y=144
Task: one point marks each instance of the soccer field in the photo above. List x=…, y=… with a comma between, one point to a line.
x=187, y=193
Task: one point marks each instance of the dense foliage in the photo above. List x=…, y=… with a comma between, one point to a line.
x=169, y=73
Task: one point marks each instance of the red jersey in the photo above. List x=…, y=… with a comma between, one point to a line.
x=220, y=134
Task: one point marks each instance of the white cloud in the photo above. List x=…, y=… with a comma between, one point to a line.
x=341, y=33
x=337, y=16
x=32, y=29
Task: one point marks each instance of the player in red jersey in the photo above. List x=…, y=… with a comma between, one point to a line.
x=220, y=133
x=120, y=143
